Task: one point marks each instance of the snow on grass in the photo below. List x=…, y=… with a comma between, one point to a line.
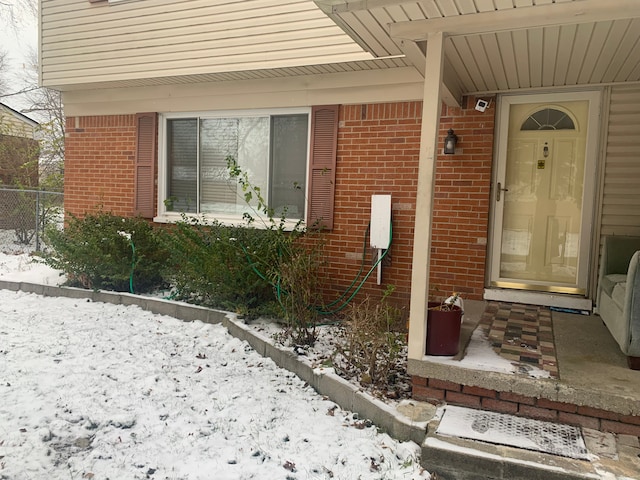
x=91, y=390
x=23, y=267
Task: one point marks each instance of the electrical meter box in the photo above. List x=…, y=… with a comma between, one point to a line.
x=380, y=232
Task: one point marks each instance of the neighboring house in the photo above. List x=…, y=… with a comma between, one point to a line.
x=19, y=149
x=348, y=99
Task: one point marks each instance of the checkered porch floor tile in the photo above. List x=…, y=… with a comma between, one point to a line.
x=522, y=334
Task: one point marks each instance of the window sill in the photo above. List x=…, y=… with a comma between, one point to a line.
x=227, y=220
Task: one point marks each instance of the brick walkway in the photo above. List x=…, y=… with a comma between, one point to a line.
x=522, y=334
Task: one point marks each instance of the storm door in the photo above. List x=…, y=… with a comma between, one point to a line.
x=543, y=192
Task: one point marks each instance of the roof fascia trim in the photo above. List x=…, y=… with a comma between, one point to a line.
x=555, y=14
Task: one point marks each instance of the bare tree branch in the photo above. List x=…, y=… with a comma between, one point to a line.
x=3, y=70
x=44, y=105
x=19, y=92
x=15, y=17
x=47, y=104
x=15, y=13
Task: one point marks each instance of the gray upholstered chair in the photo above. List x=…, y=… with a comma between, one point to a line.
x=618, y=294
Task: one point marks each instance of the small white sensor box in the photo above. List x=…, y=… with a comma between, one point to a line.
x=481, y=105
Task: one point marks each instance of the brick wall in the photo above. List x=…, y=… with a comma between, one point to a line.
x=461, y=204
x=434, y=390
x=378, y=149
x=99, y=164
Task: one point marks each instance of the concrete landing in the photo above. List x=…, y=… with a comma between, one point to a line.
x=612, y=457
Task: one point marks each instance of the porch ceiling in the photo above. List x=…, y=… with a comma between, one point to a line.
x=503, y=45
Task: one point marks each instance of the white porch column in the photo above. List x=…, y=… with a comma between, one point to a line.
x=424, y=198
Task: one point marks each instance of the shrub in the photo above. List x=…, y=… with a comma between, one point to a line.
x=268, y=270
x=373, y=344
x=105, y=251
x=210, y=265
x=289, y=259
x=298, y=286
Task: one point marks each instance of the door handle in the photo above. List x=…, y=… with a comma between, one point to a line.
x=500, y=189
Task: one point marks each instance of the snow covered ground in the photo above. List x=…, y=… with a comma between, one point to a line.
x=96, y=391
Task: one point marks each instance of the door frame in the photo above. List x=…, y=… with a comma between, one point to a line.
x=504, y=102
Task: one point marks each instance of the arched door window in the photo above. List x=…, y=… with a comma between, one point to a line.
x=548, y=119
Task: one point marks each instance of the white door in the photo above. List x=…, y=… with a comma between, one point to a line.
x=544, y=192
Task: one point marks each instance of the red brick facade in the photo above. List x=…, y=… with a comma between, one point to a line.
x=99, y=164
x=378, y=150
x=461, y=204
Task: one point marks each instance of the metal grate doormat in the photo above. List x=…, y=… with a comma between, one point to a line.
x=512, y=431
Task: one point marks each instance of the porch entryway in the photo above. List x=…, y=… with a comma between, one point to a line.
x=535, y=362
x=544, y=193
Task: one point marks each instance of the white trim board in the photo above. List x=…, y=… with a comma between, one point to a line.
x=538, y=298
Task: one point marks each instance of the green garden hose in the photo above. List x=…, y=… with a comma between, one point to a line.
x=133, y=265
x=127, y=236
x=280, y=292
x=371, y=270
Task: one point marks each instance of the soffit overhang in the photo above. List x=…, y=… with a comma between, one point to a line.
x=128, y=81
x=503, y=45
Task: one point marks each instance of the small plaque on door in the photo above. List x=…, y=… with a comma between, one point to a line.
x=541, y=164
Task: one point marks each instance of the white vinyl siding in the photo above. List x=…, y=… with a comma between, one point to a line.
x=84, y=43
x=9, y=125
x=621, y=195
x=13, y=125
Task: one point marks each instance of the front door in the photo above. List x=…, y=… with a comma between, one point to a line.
x=543, y=192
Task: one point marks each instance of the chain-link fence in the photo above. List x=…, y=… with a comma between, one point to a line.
x=24, y=215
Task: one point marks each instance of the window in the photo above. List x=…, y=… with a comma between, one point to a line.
x=271, y=147
x=548, y=119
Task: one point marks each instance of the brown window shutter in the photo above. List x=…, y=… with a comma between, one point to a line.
x=322, y=166
x=145, y=164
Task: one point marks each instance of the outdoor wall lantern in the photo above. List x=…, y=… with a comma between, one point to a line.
x=450, y=143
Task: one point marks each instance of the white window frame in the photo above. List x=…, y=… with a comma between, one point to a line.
x=165, y=216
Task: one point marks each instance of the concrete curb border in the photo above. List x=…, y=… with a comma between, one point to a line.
x=327, y=383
